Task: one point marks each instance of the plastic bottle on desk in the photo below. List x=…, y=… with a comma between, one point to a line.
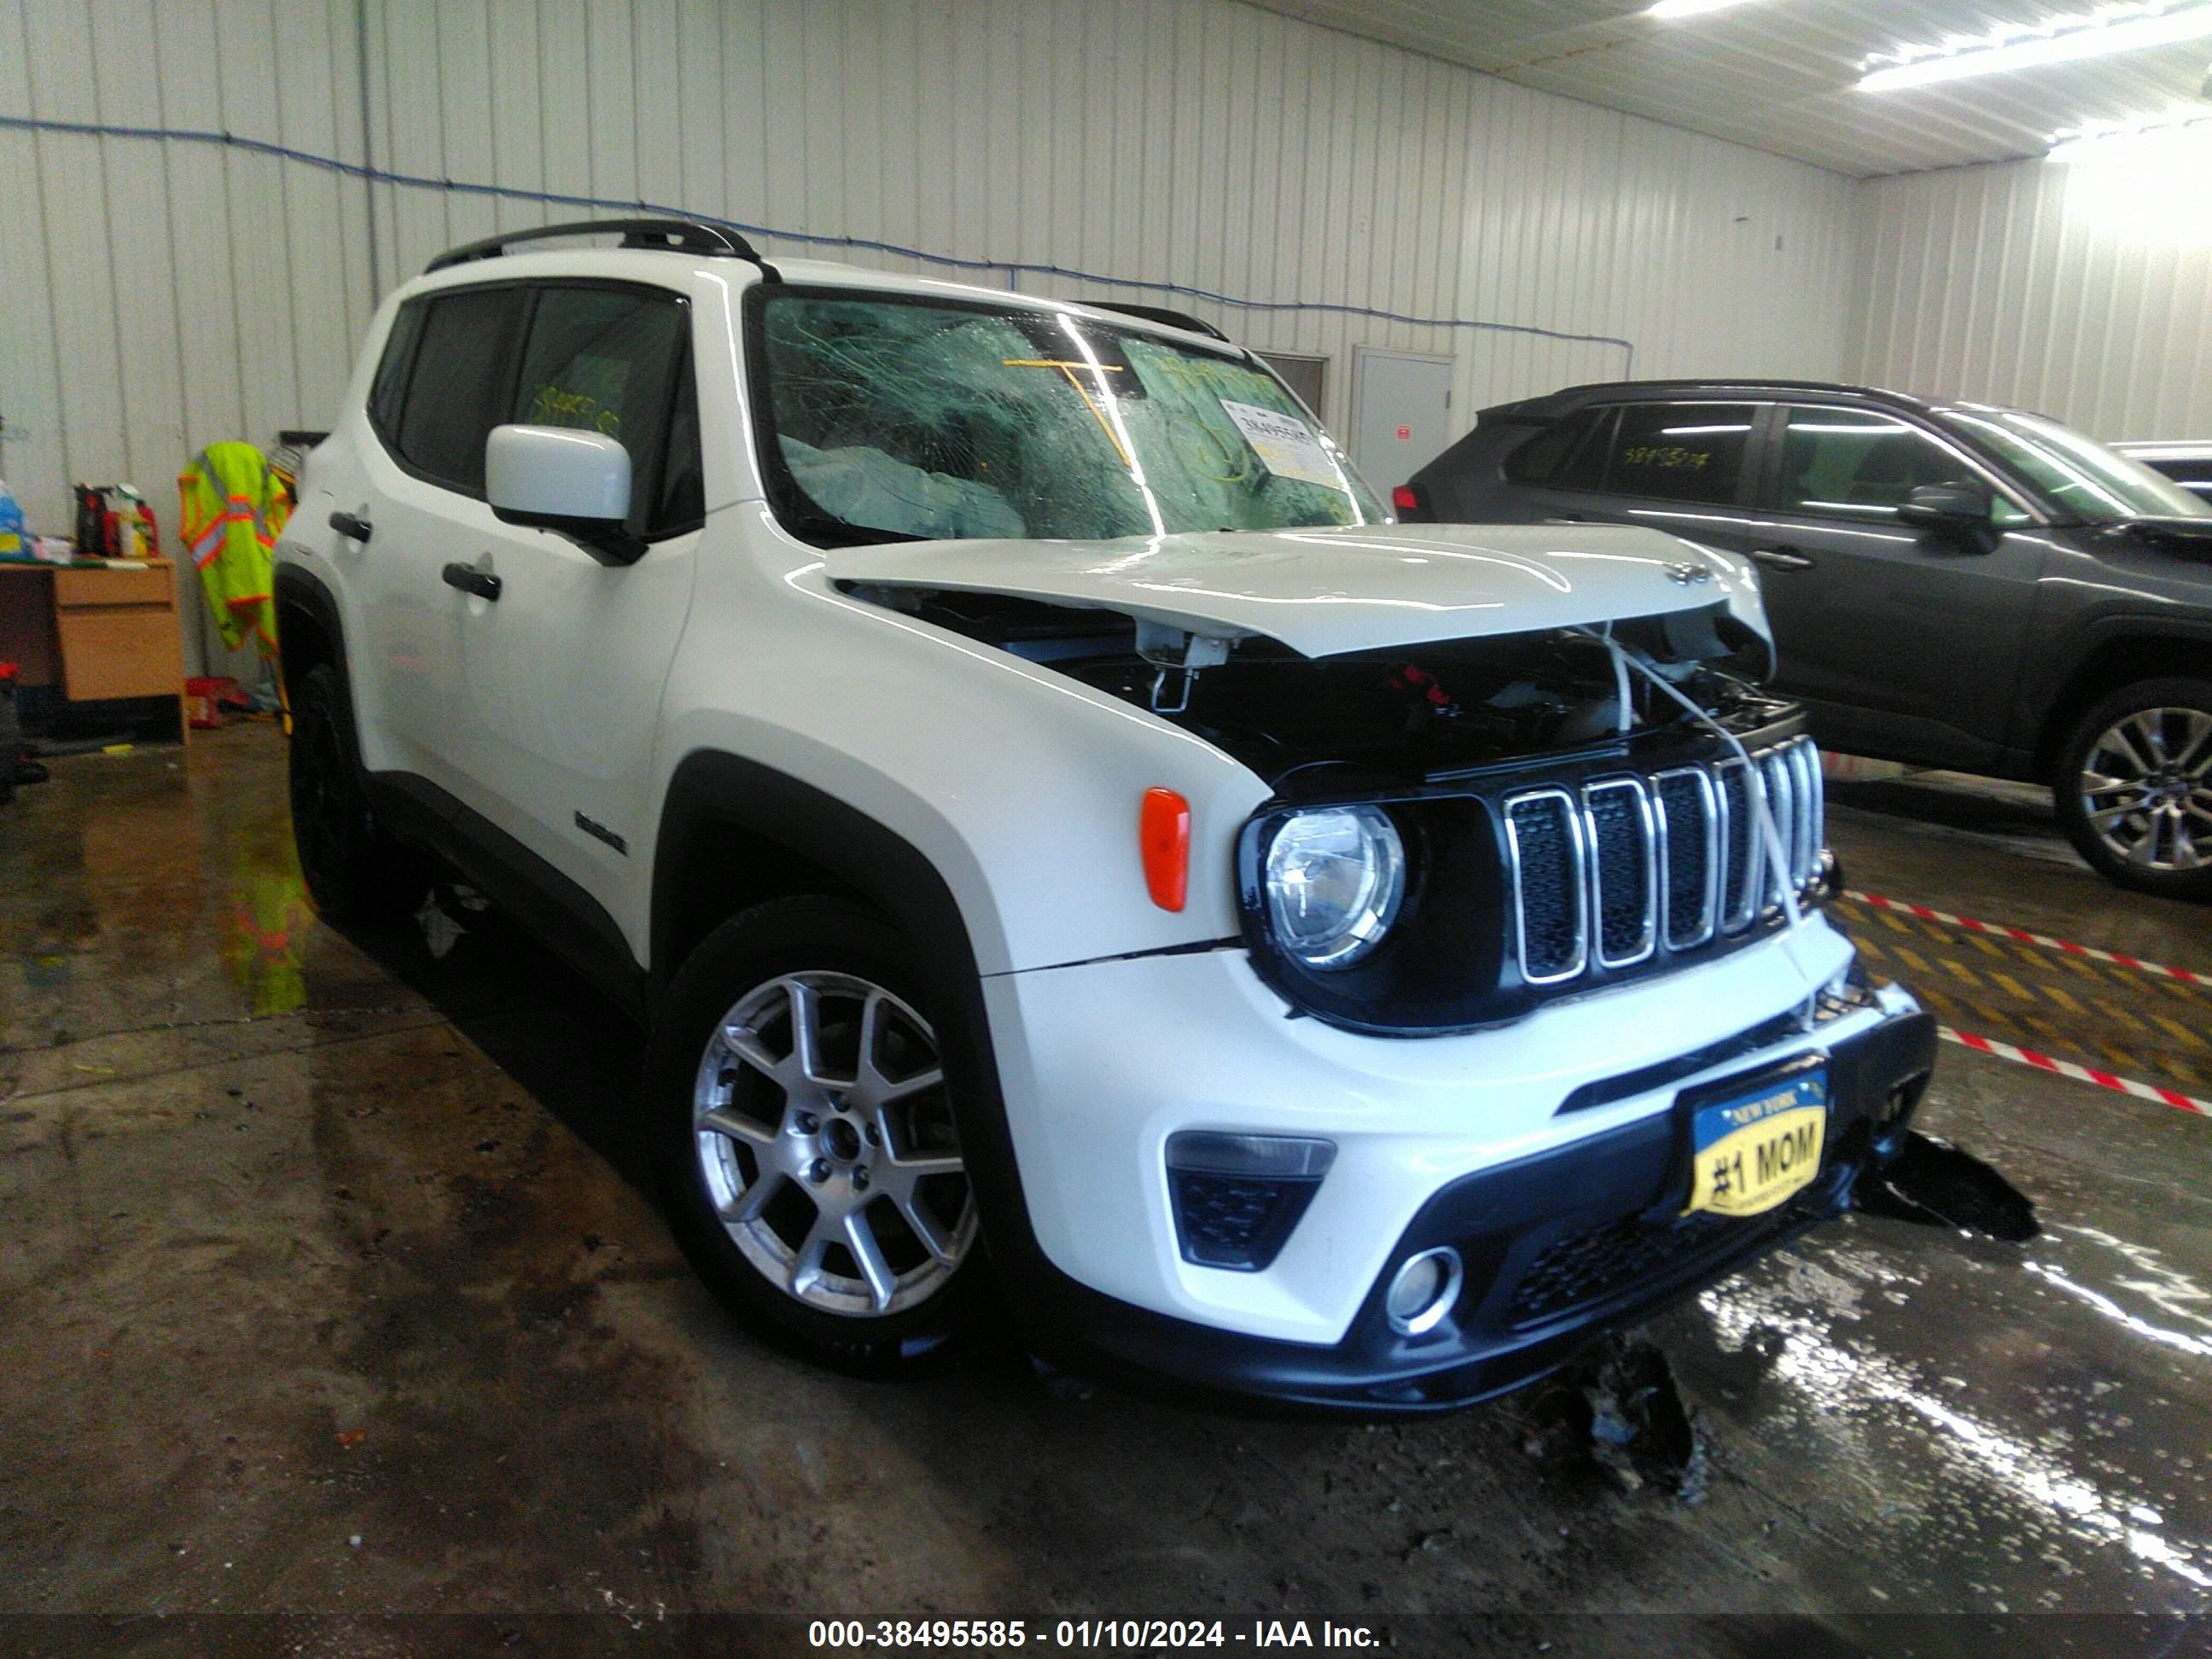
x=14, y=540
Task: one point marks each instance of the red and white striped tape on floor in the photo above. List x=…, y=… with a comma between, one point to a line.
x=1982, y=1045
x=2026, y=938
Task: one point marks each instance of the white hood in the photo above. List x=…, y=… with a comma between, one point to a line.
x=1323, y=592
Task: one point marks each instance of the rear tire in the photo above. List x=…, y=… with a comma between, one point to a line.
x=803, y=1139
x=354, y=872
x=2133, y=787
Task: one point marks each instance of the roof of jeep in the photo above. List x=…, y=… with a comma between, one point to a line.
x=585, y=260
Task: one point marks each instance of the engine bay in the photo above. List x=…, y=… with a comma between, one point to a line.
x=1409, y=715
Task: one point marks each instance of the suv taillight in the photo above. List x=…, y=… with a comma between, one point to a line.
x=1405, y=502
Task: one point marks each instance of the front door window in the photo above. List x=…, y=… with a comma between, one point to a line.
x=1858, y=465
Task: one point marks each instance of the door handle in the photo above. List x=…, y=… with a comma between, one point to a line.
x=351, y=526
x=1781, y=558
x=470, y=580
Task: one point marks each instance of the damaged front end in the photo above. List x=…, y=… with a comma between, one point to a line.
x=1402, y=714
x=1462, y=829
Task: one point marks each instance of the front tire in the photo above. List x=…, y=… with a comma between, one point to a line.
x=354, y=872
x=2133, y=787
x=804, y=1139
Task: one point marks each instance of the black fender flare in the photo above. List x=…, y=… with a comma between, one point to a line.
x=299, y=589
x=710, y=789
x=2036, y=714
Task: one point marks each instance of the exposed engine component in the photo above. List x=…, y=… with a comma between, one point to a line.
x=1451, y=706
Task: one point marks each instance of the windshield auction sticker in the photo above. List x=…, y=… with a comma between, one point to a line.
x=1285, y=444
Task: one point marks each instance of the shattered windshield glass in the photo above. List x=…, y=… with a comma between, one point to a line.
x=890, y=418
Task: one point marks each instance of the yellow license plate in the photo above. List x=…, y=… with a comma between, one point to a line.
x=1754, y=1149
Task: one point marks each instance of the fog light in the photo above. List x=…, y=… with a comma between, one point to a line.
x=1423, y=1291
x=1238, y=1197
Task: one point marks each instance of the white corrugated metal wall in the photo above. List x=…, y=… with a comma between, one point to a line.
x=162, y=292
x=2019, y=284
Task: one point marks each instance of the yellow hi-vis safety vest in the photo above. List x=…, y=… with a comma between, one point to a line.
x=233, y=507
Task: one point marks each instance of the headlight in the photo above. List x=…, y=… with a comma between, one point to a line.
x=1334, y=879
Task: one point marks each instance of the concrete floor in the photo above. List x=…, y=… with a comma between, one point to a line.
x=328, y=1287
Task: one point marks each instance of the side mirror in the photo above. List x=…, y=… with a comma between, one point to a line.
x=1959, y=509
x=556, y=478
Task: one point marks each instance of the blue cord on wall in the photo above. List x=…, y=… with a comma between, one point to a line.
x=1013, y=268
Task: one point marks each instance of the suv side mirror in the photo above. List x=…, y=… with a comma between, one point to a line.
x=556, y=478
x=1960, y=509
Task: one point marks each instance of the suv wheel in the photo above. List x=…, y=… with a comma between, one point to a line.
x=2135, y=786
x=805, y=1141
x=354, y=872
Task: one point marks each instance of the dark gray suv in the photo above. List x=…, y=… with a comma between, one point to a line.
x=1951, y=585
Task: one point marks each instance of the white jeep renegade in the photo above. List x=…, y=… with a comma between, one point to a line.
x=1072, y=850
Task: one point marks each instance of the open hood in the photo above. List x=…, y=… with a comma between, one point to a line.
x=1324, y=593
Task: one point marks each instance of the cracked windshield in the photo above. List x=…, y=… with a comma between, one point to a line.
x=896, y=421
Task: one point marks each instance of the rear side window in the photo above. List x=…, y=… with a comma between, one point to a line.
x=1569, y=454
x=1679, y=452
x=613, y=360
x=461, y=385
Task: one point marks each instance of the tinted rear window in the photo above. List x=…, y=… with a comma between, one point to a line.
x=1679, y=452
x=459, y=389
x=1569, y=454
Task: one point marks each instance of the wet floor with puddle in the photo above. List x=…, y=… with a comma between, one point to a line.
x=330, y=1286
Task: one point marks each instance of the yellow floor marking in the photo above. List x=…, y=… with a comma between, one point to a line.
x=1961, y=971
x=2192, y=995
x=2015, y=986
x=1912, y=961
x=2113, y=1010
x=2064, y=1001
x=1892, y=923
x=1987, y=945
x=2180, y=1030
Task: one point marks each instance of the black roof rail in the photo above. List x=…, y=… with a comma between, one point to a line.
x=1161, y=314
x=1735, y=385
x=680, y=236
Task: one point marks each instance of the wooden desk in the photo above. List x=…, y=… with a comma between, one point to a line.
x=95, y=631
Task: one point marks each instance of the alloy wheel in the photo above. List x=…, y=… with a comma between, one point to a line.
x=2146, y=788
x=825, y=1139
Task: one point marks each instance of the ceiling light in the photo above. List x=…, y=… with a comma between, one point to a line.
x=1688, y=8
x=2141, y=182
x=2125, y=28
x=2093, y=140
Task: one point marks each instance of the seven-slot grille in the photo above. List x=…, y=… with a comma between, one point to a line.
x=1606, y=875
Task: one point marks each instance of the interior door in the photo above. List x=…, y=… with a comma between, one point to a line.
x=1906, y=644
x=1400, y=413
x=562, y=672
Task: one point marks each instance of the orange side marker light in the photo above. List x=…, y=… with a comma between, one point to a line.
x=1163, y=836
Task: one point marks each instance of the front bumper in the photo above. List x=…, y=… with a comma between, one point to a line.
x=1555, y=1246
x=1552, y=1153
